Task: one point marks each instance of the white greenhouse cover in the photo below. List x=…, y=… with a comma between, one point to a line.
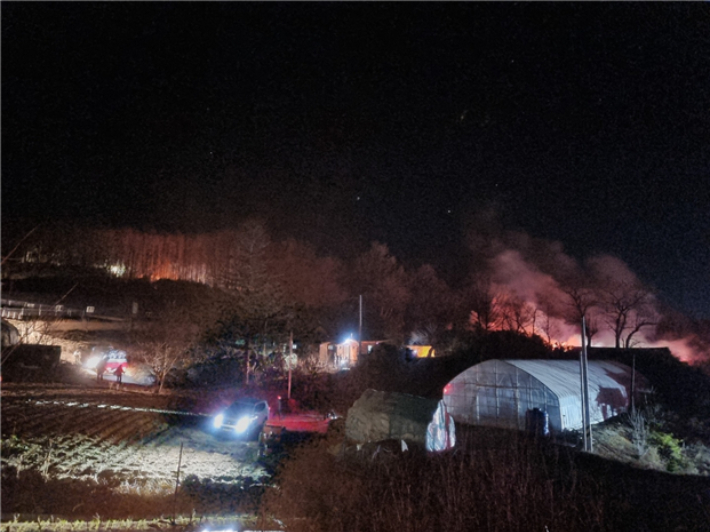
x=501, y=392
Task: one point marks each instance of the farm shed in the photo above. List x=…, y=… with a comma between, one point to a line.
x=500, y=393
x=378, y=416
x=343, y=355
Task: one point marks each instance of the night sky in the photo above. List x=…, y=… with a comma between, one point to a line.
x=584, y=123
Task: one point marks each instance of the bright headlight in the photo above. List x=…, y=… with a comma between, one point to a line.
x=92, y=362
x=218, y=420
x=243, y=423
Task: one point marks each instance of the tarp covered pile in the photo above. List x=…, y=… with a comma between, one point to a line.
x=378, y=416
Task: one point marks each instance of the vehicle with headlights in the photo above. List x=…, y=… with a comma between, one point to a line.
x=134, y=372
x=243, y=419
x=113, y=358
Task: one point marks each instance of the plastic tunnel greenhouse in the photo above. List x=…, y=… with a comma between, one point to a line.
x=502, y=393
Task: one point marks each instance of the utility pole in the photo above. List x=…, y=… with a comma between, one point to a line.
x=290, y=359
x=633, y=381
x=586, y=398
x=359, y=332
x=584, y=384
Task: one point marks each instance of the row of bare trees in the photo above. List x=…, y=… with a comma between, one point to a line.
x=624, y=308
x=286, y=284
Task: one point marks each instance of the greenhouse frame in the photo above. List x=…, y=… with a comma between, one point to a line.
x=503, y=393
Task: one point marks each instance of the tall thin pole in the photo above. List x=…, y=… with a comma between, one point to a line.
x=177, y=483
x=633, y=382
x=586, y=399
x=359, y=331
x=290, y=361
x=581, y=389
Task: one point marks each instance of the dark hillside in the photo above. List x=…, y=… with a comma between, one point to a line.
x=79, y=288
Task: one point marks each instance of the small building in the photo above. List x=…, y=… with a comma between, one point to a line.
x=422, y=351
x=503, y=393
x=343, y=355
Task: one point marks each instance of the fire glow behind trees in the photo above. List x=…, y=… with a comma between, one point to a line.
x=529, y=286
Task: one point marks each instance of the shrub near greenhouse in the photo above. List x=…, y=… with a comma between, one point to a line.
x=475, y=487
x=493, y=481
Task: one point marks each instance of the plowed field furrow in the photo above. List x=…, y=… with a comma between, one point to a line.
x=122, y=424
x=77, y=443
x=162, y=465
x=20, y=408
x=63, y=420
x=100, y=458
x=52, y=411
x=79, y=458
x=88, y=461
x=46, y=419
x=84, y=435
x=134, y=464
x=148, y=426
x=61, y=461
x=157, y=438
x=120, y=453
x=96, y=423
x=13, y=425
x=60, y=448
x=33, y=424
x=124, y=432
x=10, y=408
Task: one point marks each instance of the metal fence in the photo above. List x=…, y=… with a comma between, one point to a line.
x=23, y=310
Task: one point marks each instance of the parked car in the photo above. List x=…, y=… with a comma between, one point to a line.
x=113, y=358
x=243, y=419
x=134, y=372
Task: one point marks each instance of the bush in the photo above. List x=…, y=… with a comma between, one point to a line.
x=483, y=485
x=669, y=448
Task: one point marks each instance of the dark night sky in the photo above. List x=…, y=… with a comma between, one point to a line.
x=587, y=123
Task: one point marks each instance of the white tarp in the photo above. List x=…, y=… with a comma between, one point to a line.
x=500, y=392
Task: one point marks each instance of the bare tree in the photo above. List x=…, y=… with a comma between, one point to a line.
x=307, y=279
x=549, y=314
x=178, y=317
x=549, y=327
x=582, y=302
x=433, y=305
x=517, y=315
x=485, y=311
x=166, y=340
x=628, y=308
